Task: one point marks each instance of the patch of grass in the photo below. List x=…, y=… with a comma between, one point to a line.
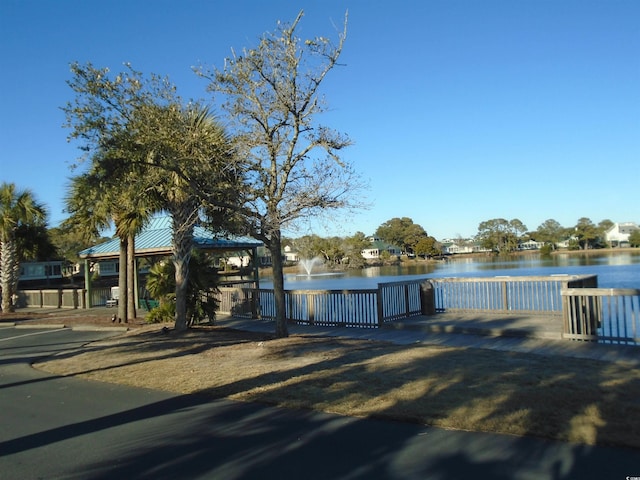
x=569, y=399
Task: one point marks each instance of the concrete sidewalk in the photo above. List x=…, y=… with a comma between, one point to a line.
x=406, y=333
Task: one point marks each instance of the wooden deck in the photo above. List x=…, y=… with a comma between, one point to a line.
x=515, y=324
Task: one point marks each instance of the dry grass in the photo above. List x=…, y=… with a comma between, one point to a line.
x=461, y=388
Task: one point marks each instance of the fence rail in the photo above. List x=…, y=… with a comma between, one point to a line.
x=605, y=315
x=588, y=313
x=399, y=300
x=534, y=295
x=350, y=308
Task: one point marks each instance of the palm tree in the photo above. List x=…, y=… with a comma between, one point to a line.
x=129, y=222
x=188, y=152
x=95, y=201
x=138, y=128
x=202, y=284
x=17, y=207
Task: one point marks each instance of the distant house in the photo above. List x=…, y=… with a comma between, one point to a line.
x=618, y=234
x=377, y=247
x=567, y=242
x=530, y=245
x=290, y=255
x=456, y=248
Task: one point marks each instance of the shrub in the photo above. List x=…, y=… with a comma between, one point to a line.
x=201, y=289
x=546, y=249
x=162, y=313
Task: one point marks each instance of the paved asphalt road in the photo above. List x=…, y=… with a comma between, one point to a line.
x=54, y=427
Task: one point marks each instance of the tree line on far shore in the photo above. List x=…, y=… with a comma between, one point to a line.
x=498, y=235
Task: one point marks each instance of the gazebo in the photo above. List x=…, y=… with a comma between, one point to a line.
x=155, y=241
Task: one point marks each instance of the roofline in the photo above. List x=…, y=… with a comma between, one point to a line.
x=148, y=252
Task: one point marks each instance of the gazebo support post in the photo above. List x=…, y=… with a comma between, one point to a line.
x=87, y=283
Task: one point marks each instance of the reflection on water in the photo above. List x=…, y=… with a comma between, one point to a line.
x=614, y=271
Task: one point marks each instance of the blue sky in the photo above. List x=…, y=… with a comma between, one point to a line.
x=461, y=110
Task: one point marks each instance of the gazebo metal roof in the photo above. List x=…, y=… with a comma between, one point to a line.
x=155, y=239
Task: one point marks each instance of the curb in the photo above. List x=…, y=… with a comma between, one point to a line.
x=41, y=326
x=60, y=326
x=90, y=328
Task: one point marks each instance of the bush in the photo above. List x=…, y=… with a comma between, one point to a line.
x=201, y=289
x=163, y=313
x=546, y=249
x=573, y=245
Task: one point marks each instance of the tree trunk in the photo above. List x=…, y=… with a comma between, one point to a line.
x=7, y=260
x=278, y=286
x=182, y=244
x=122, y=281
x=131, y=280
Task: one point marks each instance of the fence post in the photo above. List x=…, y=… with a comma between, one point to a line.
x=311, y=308
x=566, y=314
x=379, y=307
x=505, y=296
x=407, y=309
x=427, y=298
x=253, y=299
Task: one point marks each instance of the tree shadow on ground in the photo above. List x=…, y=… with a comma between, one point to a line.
x=372, y=379
x=562, y=398
x=219, y=439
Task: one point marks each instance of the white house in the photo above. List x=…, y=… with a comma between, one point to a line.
x=290, y=255
x=530, y=245
x=618, y=234
x=467, y=248
x=455, y=248
x=377, y=247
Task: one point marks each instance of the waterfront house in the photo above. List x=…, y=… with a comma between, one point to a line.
x=456, y=249
x=618, y=234
x=377, y=246
x=530, y=245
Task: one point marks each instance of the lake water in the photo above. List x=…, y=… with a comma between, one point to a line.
x=614, y=270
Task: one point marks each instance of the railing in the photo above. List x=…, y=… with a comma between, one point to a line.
x=237, y=301
x=398, y=300
x=589, y=314
x=349, y=308
x=533, y=295
x=605, y=315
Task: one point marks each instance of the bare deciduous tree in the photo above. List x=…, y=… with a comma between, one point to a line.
x=271, y=94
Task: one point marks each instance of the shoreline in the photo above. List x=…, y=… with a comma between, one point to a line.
x=522, y=253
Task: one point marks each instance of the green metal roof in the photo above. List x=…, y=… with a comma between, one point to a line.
x=155, y=239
